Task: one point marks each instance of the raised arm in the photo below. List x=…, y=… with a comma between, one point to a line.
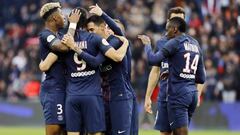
x=95, y=9
x=73, y=19
x=118, y=55
x=45, y=64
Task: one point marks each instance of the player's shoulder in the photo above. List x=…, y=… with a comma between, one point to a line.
x=47, y=35
x=192, y=39
x=161, y=41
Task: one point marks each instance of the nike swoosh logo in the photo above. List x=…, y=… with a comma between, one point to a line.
x=171, y=123
x=120, y=132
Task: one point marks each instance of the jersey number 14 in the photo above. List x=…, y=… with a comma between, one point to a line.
x=194, y=63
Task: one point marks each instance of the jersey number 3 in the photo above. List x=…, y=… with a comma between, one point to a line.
x=81, y=63
x=194, y=63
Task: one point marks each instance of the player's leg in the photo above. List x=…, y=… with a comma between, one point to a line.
x=54, y=113
x=107, y=118
x=121, y=116
x=162, y=122
x=178, y=113
x=98, y=133
x=134, y=121
x=73, y=115
x=93, y=114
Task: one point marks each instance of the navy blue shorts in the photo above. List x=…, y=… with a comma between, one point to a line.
x=85, y=113
x=162, y=122
x=121, y=116
x=181, y=109
x=134, y=122
x=53, y=104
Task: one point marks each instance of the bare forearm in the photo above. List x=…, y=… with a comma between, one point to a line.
x=200, y=88
x=152, y=80
x=122, y=50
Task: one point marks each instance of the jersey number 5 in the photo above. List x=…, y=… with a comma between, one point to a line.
x=81, y=63
x=194, y=63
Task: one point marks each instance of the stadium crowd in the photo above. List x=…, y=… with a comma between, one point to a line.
x=215, y=23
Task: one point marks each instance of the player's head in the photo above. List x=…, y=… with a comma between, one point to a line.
x=175, y=26
x=120, y=25
x=176, y=12
x=96, y=24
x=83, y=18
x=52, y=13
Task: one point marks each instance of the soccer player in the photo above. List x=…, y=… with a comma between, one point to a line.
x=186, y=60
x=161, y=123
x=84, y=104
x=52, y=95
x=117, y=28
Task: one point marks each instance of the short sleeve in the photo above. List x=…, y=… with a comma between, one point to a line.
x=48, y=38
x=102, y=44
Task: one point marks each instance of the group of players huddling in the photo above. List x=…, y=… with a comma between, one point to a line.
x=87, y=63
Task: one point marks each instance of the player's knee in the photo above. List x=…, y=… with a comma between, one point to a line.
x=165, y=133
x=97, y=133
x=53, y=130
x=180, y=131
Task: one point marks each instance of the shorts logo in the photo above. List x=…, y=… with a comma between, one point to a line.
x=50, y=38
x=171, y=123
x=60, y=117
x=120, y=132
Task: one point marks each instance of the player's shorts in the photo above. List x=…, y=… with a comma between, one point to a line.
x=180, y=109
x=107, y=118
x=162, y=122
x=53, y=104
x=85, y=113
x=134, y=122
x=121, y=116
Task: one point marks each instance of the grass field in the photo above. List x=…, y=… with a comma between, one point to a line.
x=40, y=131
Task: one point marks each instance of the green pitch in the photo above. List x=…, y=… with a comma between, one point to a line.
x=40, y=131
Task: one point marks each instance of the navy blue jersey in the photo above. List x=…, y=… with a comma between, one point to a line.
x=82, y=78
x=55, y=76
x=186, y=59
x=117, y=73
x=186, y=63
x=163, y=67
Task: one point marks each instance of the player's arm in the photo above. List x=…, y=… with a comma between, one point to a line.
x=73, y=19
x=155, y=58
x=110, y=52
x=45, y=64
x=152, y=83
x=95, y=9
x=200, y=77
x=93, y=61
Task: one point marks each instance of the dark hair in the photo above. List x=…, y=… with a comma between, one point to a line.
x=176, y=10
x=179, y=23
x=83, y=18
x=96, y=20
x=49, y=13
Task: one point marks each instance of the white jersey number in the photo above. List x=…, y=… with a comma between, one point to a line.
x=194, y=63
x=81, y=63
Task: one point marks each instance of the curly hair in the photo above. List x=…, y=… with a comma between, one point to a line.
x=48, y=8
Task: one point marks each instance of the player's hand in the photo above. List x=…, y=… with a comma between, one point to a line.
x=199, y=101
x=148, y=105
x=145, y=39
x=122, y=38
x=68, y=41
x=96, y=10
x=164, y=75
x=74, y=16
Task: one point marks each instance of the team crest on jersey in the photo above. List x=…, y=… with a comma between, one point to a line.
x=50, y=38
x=105, y=42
